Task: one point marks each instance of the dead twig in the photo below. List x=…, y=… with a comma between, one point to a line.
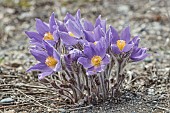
x=80, y=108
x=139, y=77
x=8, y=76
x=23, y=85
x=163, y=108
x=11, y=106
x=40, y=104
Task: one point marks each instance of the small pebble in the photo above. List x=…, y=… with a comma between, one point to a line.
x=6, y=101
x=148, y=60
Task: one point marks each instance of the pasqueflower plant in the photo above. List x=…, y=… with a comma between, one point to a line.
x=82, y=58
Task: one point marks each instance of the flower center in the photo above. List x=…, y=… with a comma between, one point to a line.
x=95, y=43
x=71, y=34
x=48, y=36
x=51, y=62
x=96, y=60
x=121, y=44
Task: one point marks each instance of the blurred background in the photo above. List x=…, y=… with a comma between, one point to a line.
x=150, y=19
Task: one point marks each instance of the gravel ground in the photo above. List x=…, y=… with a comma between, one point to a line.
x=147, y=86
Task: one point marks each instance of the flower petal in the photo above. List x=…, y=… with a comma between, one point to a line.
x=85, y=62
x=128, y=47
x=94, y=70
x=138, y=54
x=88, y=26
x=41, y=27
x=106, y=59
x=39, y=67
x=139, y=58
x=42, y=75
x=48, y=48
x=108, y=38
x=52, y=23
x=135, y=40
x=57, y=67
x=114, y=35
x=100, y=47
x=99, y=68
x=78, y=14
x=57, y=57
x=91, y=71
x=73, y=28
x=68, y=40
x=101, y=23
x=98, y=33
x=89, y=36
x=61, y=26
x=34, y=35
x=39, y=55
x=115, y=49
x=88, y=51
x=68, y=16
x=125, y=34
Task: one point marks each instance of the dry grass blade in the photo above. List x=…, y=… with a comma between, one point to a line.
x=163, y=108
x=38, y=103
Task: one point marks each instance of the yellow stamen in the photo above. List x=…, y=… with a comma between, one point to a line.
x=48, y=36
x=92, y=32
x=71, y=34
x=96, y=60
x=95, y=43
x=121, y=44
x=51, y=62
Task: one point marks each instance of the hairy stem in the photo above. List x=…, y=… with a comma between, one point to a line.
x=101, y=79
x=86, y=80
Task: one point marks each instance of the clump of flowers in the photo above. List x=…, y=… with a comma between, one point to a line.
x=81, y=57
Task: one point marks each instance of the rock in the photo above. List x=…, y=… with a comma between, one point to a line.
x=7, y=100
x=63, y=10
x=26, y=15
x=9, y=111
x=10, y=10
x=15, y=65
x=148, y=59
x=151, y=91
x=123, y=8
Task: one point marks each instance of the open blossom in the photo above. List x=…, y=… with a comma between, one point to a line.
x=73, y=30
x=49, y=61
x=44, y=32
x=93, y=33
x=120, y=44
x=95, y=58
x=76, y=19
x=73, y=24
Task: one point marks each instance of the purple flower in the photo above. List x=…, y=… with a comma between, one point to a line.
x=72, y=30
x=76, y=18
x=61, y=33
x=95, y=58
x=122, y=43
x=137, y=54
x=88, y=26
x=72, y=57
x=49, y=60
x=94, y=36
x=44, y=31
